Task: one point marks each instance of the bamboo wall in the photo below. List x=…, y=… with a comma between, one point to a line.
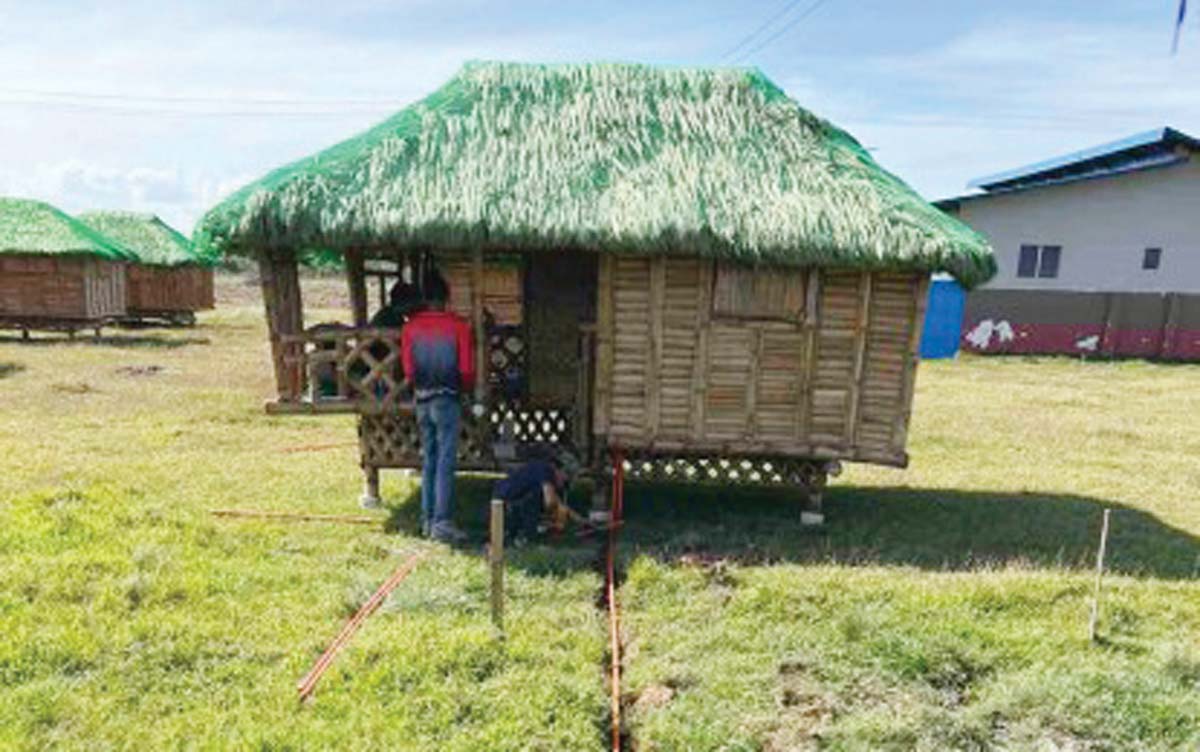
x=158, y=289
x=76, y=288
x=502, y=290
x=699, y=357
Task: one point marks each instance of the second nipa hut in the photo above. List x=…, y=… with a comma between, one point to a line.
x=171, y=281
x=56, y=273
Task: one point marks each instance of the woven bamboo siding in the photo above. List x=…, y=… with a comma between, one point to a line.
x=502, y=294
x=709, y=358
x=160, y=289
x=833, y=374
x=75, y=288
x=631, y=347
x=677, y=350
x=893, y=306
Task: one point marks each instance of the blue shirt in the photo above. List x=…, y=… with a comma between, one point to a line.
x=525, y=480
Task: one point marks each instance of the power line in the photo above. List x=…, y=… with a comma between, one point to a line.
x=765, y=25
x=782, y=30
x=174, y=99
x=136, y=109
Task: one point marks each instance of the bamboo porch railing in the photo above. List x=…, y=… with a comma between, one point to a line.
x=341, y=370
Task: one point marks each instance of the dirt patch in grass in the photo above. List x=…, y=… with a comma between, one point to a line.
x=135, y=371
x=77, y=387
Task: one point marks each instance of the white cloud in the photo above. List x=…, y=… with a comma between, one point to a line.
x=1008, y=94
x=1002, y=94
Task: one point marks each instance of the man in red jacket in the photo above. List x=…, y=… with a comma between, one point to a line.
x=438, y=357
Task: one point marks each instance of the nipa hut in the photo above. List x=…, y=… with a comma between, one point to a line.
x=55, y=272
x=171, y=281
x=679, y=264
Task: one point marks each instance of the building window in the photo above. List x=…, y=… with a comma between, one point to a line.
x=1152, y=258
x=1048, y=267
x=1039, y=261
x=1027, y=266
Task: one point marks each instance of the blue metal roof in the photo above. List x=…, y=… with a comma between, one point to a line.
x=1140, y=151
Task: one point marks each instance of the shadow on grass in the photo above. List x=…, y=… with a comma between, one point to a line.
x=8, y=368
x=935, y=529
x=128, y=341
x=927, y=528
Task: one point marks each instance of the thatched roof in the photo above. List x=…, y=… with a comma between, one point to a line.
x=606, y=157
x=154, y=241
x=28, y=226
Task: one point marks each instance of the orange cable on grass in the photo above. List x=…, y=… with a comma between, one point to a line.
x=318, y=447
x=309, y=683
x=353, y=519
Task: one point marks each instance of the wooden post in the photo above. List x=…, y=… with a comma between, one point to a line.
x=355, y=277
x=481, y=361
x=271, y=305
x=583, y=391
x=496, y=559
x=861, y=331
x=658, y=287
x=1095, y=617
x=814, y=478
x=700, y=365
x=752, y=378
x=605, y=347
x=812, y=323
x=370, y=498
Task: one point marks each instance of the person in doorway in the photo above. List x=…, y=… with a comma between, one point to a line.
x=534, y=496
x=404, y=300
x=438, y=358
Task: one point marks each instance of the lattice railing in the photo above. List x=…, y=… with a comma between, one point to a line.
x=770, y=471
x=336, y=369
x=342, y=369
x=503, y=434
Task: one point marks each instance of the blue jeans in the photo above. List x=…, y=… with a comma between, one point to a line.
x=438, y=419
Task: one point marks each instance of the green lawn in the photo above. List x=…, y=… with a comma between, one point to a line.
x=944, y=606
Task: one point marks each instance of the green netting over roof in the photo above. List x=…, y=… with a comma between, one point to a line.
x=154, y=241
x=609, y=157
x=28, y=226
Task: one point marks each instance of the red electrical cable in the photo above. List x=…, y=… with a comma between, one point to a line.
x=309, y=682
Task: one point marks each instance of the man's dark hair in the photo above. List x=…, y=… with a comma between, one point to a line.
x=404, y=298
x=436, y=289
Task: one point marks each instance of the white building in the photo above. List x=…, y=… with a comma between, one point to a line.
x=1098, y=251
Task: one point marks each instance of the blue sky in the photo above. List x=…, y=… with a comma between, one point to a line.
x=166, y=107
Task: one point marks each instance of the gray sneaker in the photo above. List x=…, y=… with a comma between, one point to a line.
x=366, y=501
x=446, y=532
x=426, y=529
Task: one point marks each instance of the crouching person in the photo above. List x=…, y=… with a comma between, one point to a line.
x=534, y=497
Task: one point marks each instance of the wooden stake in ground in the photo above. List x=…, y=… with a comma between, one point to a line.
x=1095, y=619
x=309, y=682
x=610, y=594
x=496, y=559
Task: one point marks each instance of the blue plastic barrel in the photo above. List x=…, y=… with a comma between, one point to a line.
x=943, y=318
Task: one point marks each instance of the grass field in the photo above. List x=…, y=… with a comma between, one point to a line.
x=943, y=607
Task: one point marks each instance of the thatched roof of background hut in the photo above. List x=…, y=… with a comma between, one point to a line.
x=154, y=241
x=35, y=227
x=606, y=157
